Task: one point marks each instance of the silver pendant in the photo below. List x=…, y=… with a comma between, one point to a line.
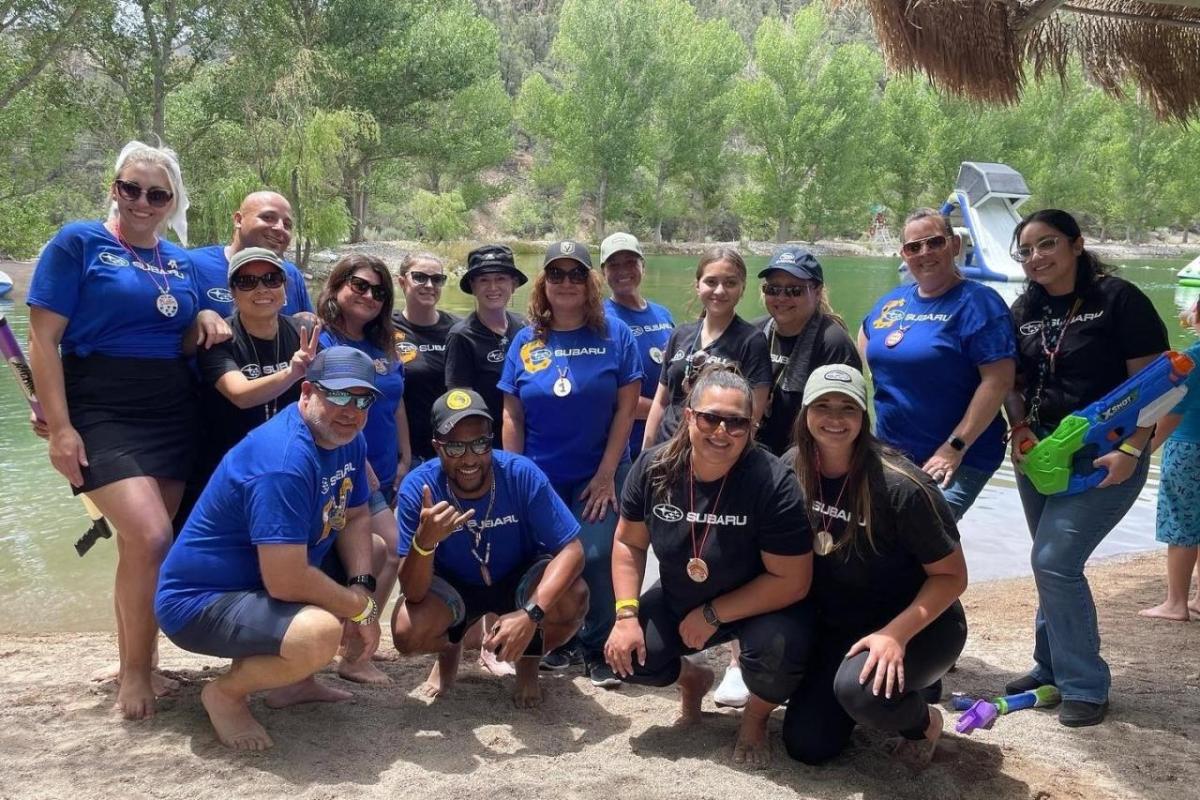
x=168, y=306
x=823, y=544
x=697, y=570
x=894, y=338
x=562, y=387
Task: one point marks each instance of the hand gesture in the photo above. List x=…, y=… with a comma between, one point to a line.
x=438, y=520
x=942, y=465
x=1118, y=465
x=1023, y=440
x=599, y=494
x=886, y=660
x=511, y=634
x=695, y=630
x=67, y=454
x=625, y=639
x=307, y=352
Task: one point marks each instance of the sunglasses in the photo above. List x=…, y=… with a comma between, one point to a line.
x=771, y=290
x=459, y=449
x=248, y=283
x=1043, y=247
x=156, y=197
x=360, y=287
x=708, y=422
x=577, y=276
x=932, y=244
x=433, y=279
x=342, y=398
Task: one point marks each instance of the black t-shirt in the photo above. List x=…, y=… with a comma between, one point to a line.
x=422, y=351
x=474, y=359
x=859, y=589
x=741, y=344
x=761, y=509
x=832, y=345
x=224, y=423
x=1115, y=322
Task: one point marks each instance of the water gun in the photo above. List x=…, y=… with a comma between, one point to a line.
x=1062, y=462
x=982, y=713
x=10, y=350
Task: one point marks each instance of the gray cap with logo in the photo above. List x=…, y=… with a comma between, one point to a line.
x=839, y=379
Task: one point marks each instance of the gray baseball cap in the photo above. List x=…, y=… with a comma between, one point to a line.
x=836, y=378
x=616, y=243
x=342, y=367
x=251, y=255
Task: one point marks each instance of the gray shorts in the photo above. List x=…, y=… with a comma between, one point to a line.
x=468, y=602
x=239, y=625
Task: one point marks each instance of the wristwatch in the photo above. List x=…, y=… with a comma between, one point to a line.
x=534, y=611
x=710, y=615
x=956, y=443
x=363, y=580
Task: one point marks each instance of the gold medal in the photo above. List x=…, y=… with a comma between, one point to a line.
x=823, y=544
x=697, y=570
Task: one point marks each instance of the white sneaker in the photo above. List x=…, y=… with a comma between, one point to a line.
x=732, y=693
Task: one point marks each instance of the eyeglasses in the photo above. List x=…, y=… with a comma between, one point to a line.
x=360, y=287
x=248, y=283
x=931, y=243
x=798, y=290
x=577, y=276
x=342, y=398
x=708, y=422
x=458, y=449
x=155, y=196
x=422, y=278
x=1043, y=247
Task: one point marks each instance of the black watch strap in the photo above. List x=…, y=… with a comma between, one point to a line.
x=710, y=615
x=956, y=443
x=534, y=611
x=363, y=580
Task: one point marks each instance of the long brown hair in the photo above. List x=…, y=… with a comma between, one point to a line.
x=541, y=315
x=379, y=331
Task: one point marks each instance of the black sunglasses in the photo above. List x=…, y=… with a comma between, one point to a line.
x=555, y=275
x=708, y=422
x=918, y=246
x=361, y=286
x=422, y=278
x=771, y=290
x=248, y=283
x=458, y=449
x=343, y=397
x=155, y=196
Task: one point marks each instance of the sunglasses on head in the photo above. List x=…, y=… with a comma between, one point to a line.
x=343, y=397
x=708, y=422
x=434, y=279
x=771, y=290
x=361, y=286
x=931, y=243
x=1043, y=247
x=155, y=196
x=556, y=275
x=248, y=283
x=459, y=449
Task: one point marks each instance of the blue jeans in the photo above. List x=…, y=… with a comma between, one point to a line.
x=966, y=485
x=597, y=541
x=1066, y=529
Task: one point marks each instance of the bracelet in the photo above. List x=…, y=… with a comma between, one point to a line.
x=421, y=551
x=1129, y=450
x=627, y=613
x=1017, y=427
x=367, y=615
x=634, y=604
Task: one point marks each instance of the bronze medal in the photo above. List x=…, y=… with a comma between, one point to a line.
x=697, y=570
x=894, y=338
x=823, y=544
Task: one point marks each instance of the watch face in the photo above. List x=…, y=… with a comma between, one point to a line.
x=534, y=611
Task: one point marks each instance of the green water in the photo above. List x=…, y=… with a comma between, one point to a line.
x=45, y=586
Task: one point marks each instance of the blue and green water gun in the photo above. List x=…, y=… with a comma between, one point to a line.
x=982, y=713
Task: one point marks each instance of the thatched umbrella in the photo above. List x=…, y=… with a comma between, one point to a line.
x=980, y=48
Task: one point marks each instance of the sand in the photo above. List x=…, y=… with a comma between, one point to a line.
x=60, y=738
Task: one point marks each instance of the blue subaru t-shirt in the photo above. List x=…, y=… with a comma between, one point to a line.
x=112, y=299
x=212, y=278
x=276, y=486
x=651, y=328
x=924, y=355
x=528, y=519
x=565, y=436
x=383, y=450
x=1189, y=406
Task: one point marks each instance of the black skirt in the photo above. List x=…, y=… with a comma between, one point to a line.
x=137, y=416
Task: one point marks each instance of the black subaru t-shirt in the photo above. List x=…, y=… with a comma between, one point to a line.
x=224, y=424
x=422, y=351
x=474, y=359
x=761, y=509
x=1114, y=323
x=860, y=589
x=741, y=345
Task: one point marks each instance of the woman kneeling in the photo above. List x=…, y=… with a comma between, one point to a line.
x=727, y=524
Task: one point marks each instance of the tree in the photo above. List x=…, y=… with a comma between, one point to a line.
x=35, y=33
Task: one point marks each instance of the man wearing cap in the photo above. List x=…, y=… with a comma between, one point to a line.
x=476, y=346
x=624, y=266
x=242, y=581
x=263, y=220
x=482, y=531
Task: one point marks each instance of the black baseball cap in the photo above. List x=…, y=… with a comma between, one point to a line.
x=575, y=251
x=455, y=406
x=490, y=258
x=795, y=261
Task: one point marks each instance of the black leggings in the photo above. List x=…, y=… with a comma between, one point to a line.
x=829, y=702
x=775, y=646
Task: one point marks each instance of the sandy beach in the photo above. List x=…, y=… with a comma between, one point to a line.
x=60, y=737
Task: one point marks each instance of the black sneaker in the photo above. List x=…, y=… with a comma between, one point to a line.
x=561, y=658
x=1025, y=683
x=1081, y=714
x=602, y=675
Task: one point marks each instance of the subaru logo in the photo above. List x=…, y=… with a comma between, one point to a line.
x=668, y=513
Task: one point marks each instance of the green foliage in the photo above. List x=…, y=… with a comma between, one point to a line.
x=438, y=217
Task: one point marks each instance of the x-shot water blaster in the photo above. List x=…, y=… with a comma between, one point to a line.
x=982, y=713
x=1062, y=462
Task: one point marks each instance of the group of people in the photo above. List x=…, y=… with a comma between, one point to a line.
x=513, y=472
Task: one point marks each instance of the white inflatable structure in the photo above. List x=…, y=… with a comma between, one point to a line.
x=6, y=284
x=1188, y=276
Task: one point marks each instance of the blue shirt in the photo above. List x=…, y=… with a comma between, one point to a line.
x=528, y=519
x=276, y=486
x=566, y=436
x=383, y=449
x=926, y=379
x=84, y=275
x=1189, y=406
x=212, y=278
x=651, y=328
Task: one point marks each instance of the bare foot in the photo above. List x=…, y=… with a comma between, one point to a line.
x=232, y=721
x=385, y=655
x=694, y=682
x=305, y=691
x=163, y=686
x=1194, y=605
x=135, y=697
x=110, y=673
x=362, y=671
x=527, y=694
x=489, y=662
x=445, y=671
x=1175, y=613
x=918, y=754
x=752, y=747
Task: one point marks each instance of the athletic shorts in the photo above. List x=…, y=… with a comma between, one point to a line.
x=468, y=602
x=239, y=625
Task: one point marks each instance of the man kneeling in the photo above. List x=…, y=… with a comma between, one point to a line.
x=241, y=580
x=505, y=544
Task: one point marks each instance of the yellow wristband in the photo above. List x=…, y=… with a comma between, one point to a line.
x=421, y=551
x=366, y=613
x=634, y=604
x=1129, y=450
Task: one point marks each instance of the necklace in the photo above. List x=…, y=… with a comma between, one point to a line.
x=272, y=405
x=477, y=531
x=823, y=544
x=697, y=569
x=562, y=386
x=166, y=303
x=1049, y=359
x=895, y=337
